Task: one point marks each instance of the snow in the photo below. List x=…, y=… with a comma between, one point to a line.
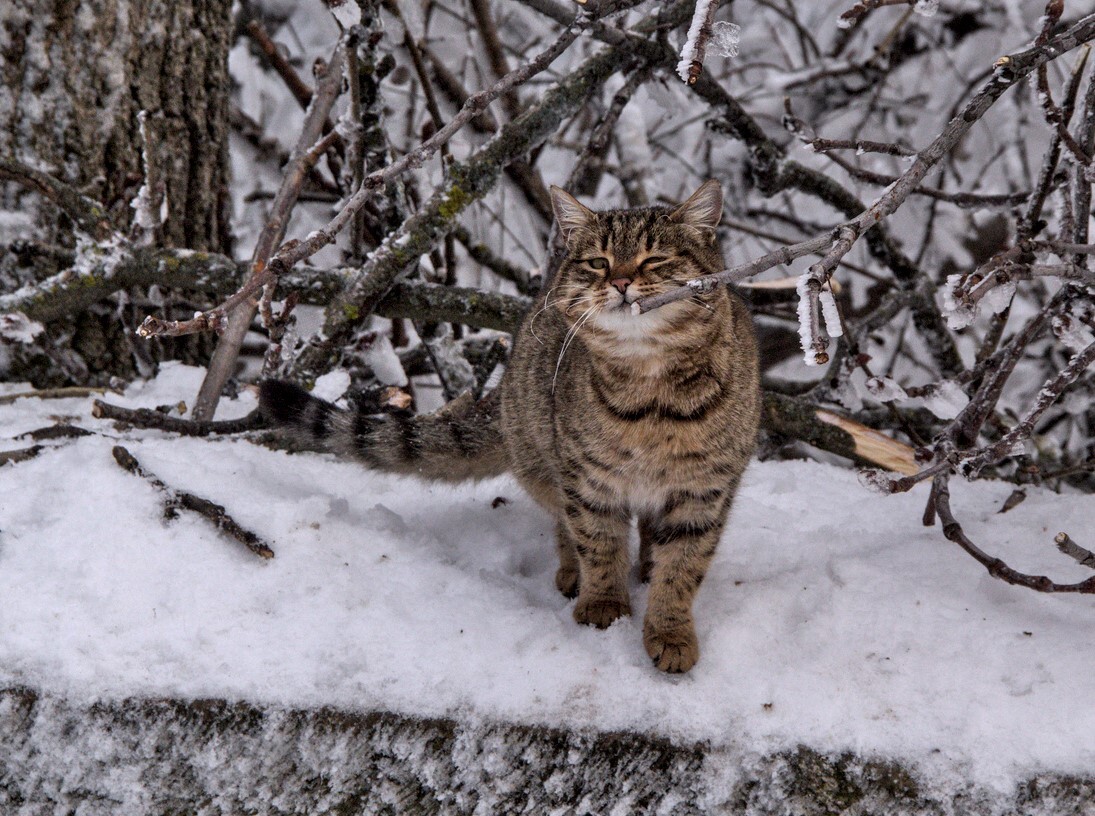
x=347, y=12
x=926, y=8
x=830, y=616
x=384, y=362
x=16, y=327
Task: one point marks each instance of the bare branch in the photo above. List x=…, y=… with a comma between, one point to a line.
x=176, y=499
x=89, y=215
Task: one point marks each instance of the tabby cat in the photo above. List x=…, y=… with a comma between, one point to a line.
x=601, y=414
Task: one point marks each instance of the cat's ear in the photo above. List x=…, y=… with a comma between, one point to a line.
x=569, y=213
x=703, y=209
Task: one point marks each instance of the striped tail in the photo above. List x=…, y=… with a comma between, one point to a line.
x=461, y=441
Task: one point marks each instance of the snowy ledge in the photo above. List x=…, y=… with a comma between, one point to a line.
x=214, y=757
x=425, y=620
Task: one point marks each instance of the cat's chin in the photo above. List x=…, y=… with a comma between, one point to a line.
x=622, y=322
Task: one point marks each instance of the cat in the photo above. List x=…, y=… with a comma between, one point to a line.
x=601, y=415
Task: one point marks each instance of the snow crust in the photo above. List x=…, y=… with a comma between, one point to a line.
x=829, y=618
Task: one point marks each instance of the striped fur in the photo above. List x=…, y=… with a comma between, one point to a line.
x=603, y=415
x=461, y=441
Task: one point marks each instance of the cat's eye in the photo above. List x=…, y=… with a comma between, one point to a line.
x=597, y=263
x=653, y=260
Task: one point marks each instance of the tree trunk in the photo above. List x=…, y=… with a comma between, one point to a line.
x=106, y=95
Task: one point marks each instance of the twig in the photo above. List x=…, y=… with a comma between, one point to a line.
x=853, y=15
x=148, y=418
x=708, y=283
x=20, y=454
x=297, y=86
x=995, y=566
x=175, y=499
x=57, y=432
x=1083, y=556
x=235, y=319
x=1050, y=392
x=52, y=393
x=1009, y=71
x=482, y=255
x=88, y=214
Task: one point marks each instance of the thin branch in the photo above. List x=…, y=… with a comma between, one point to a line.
x=88, y=215
x=148, y=418
x=1049, y=394
x=995, y=566
x=235, y=320
x=176, y=499
x=1084, y=557
x=51, y=393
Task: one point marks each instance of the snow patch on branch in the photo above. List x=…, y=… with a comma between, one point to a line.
x=805, y=332
x=18, y=328
x=885, y=389
x=831, y=314
x=958, y=311
x=690, y=49
x=945, y=399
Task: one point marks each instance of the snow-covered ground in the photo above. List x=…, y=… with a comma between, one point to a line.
x=830, y=617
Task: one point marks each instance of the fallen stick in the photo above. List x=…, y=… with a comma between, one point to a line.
x=20, y=454
x=148, y=418
x=179, y=498
x=52, y=393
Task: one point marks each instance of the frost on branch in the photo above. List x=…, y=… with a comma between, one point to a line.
x=957, y=307
x=876, y=480
x=699, y=32
x=1072, y=334
x=830, y=312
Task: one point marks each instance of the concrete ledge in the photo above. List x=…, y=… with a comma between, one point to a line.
x=158, y=756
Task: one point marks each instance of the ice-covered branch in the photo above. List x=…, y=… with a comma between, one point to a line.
x=695, y=44
x=1008, y=71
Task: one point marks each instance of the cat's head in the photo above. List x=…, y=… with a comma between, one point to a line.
x=616, y=257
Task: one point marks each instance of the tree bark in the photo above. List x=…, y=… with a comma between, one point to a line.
x=75, y=76
x=111, y=96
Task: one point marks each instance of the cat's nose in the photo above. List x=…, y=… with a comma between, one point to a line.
x=621, y=283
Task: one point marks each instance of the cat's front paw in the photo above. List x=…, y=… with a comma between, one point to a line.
x=601, y=612
x=672, y=650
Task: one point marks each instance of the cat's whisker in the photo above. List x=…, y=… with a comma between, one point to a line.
x=699, y=302
x=570, y=335
x=547, y=305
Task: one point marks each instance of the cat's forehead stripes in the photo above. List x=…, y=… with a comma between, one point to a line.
x=629, y=234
